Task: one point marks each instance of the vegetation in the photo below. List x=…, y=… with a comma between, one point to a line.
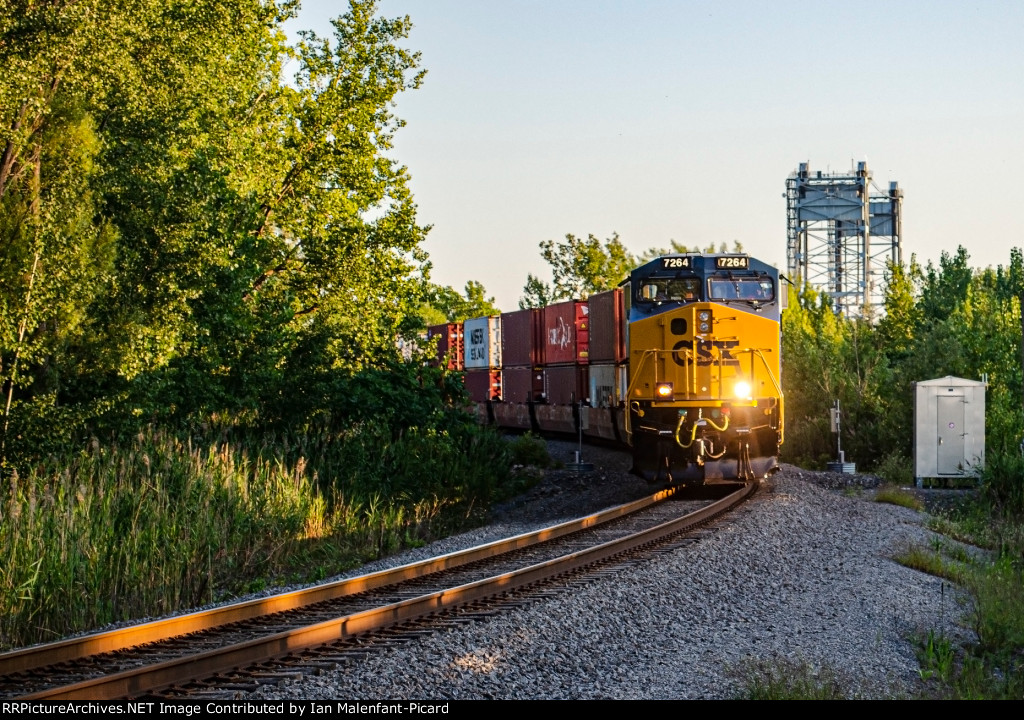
x=938, y=321
x=163, y=521
x=207, y=271
x=898, y=496
x=790, y=680
x=581, y=268
x=993, y=666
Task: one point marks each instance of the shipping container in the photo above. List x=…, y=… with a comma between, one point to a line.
x=608, y=385
x=482, y=339
x=607, y=327
x=565, y=385
x=483, y=385
x=566, y=333
x=450, y=348
x=520, y=338
x=520, y=385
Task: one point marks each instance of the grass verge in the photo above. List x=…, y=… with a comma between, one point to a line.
x=161, y=523
x=898, y=496
x=993, y=666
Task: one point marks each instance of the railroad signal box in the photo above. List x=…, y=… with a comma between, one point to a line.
x=949, y=427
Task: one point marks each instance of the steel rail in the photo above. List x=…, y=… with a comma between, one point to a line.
x=154, y=678
x=71, y=649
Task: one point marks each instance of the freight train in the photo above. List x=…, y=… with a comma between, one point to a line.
x=681, y=363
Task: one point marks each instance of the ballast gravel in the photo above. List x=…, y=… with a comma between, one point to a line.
x=802, y=576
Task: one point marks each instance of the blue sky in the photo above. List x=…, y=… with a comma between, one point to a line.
x=681, y=120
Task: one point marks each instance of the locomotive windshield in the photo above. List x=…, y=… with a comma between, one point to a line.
x=759, y=289
x=655, y=289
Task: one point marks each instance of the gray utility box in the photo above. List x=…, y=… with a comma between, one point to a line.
x=949, y=427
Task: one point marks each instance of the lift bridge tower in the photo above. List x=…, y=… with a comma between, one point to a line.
x=842, y=231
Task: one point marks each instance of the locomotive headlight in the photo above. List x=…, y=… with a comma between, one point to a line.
x=704, y=321
x=663, y=390
x=742, y=390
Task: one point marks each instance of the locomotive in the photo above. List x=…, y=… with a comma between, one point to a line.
x=681, y=363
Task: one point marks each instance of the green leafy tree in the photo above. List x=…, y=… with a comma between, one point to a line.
x=447, y=305
x=579, y=268
x=678, y=248
x=184, y=232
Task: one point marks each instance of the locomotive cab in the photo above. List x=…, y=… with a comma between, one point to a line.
x=704, y=397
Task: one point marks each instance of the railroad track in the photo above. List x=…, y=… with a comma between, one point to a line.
x=239, y=646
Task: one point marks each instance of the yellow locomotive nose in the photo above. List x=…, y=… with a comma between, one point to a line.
x=663, y=390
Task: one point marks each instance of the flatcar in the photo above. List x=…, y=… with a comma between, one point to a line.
x=681, y=363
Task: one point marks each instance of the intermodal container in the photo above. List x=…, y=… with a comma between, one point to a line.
x=565, y=385
x=520, y=338
x=523, y=384
x=607, y=327
x=608, y=384
x=566, y=332
x=450, y=348
x=482, y=339
x=483, y=385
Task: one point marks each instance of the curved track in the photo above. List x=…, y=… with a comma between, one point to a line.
x=157, y=657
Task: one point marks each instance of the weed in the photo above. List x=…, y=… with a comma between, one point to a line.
x=932, y=562
x=785, y=679
x=161, y=523
x=895, y=469
x=898, y=496
x=936, y=656
x=994, y=667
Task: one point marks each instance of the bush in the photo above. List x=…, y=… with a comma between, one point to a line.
x=1002, y=483
x=529, y=450
x=896, y=469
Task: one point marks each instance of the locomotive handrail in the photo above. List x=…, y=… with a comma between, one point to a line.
x=771, y=376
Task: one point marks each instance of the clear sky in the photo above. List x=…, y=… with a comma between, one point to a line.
x=681, y=120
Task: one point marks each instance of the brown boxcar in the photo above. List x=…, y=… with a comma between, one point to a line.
x=520, y=385
x=565, y=385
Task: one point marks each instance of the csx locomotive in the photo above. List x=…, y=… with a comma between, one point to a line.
x=680, y=362
x=704, y=398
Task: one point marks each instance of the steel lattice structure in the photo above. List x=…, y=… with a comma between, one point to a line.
x=842, y=231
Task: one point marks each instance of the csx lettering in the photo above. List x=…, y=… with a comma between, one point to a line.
x=704, y=355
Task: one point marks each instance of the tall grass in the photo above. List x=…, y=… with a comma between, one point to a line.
x=161, y=523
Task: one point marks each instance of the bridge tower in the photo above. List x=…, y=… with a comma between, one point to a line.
x=842, y=230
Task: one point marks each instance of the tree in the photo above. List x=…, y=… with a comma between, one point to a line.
x=678, y=248
x=446, y=305
x=902, y=318
x=579, y=269
x=181, y=231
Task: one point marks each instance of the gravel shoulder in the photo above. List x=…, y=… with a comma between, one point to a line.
x=802, y=574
